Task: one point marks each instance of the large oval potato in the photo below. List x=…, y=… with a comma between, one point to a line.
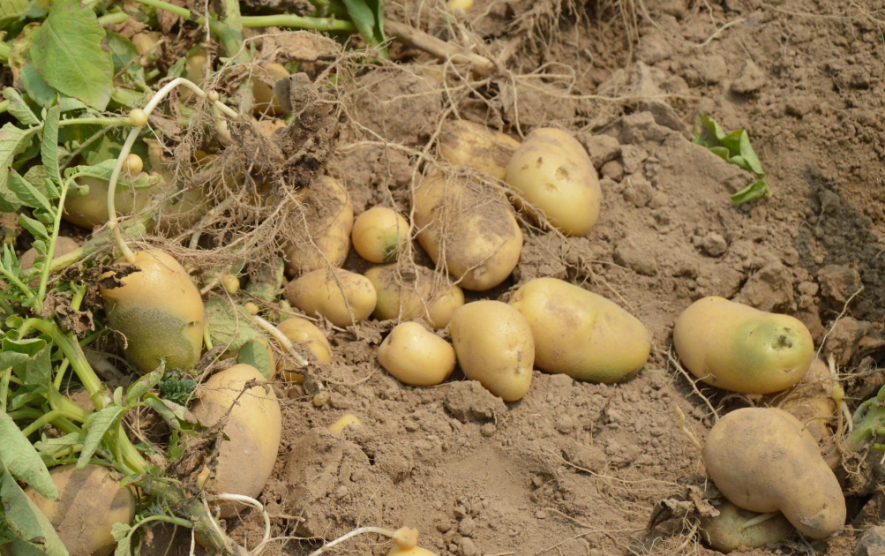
x=466, y=143
x=581, y=334
x=91, y=210
x=763, y=460
x=159, y=311
x=552, y=171
x=407, y=293
x=416, y=356
x=471, y=230
x=727, y=532
x=494, y=345
x=90, y=501
x=339, y=295
x=329, y=217
x=736, y=347
x=254, y=425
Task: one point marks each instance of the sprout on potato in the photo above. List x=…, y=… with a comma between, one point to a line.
x=339, y=295
x=415, y=356
x=465, y=143
x=380, y=235
x=406, y=293
x=329, y=217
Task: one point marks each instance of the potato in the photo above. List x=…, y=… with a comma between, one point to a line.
x=763, y=460
x=329, y=217
x=91, y=210
x=739, y=348
x=254, y=426
x=159, y=311
x=494, y=345
x=725, y=534
x=380, y=235
x=581, y=334
x=63, y=246
x=90, y=501
x=266, y=101
x=472, y=231
x=553, y=173
x=145, y=43
x=345, y=421
x=304, y=334
x=339, y=295
x=269, y=126
x=416, y=551
x=416, y=356
x=465, y=143
x=194, y=67
x=407, y=293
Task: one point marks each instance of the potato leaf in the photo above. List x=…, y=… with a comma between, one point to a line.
x=368, y=17
x=37, y=88
x=19, y=108
x=54, y=447
x=97, y=426
x=104, y=169
x=122, y=533
x=736, y=149
x=49, y=145
x=755, y=190
x=27, y=194
x=144, y=385
x=12, y=141
x=22, y=460
x=11, y=10
x=27, y=521
x=256, y=354
x=230, y=327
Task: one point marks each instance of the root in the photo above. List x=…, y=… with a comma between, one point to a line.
x=257, y=505
x=680, y=422
x=282, y=339
x=404, y=538
x=761, y=518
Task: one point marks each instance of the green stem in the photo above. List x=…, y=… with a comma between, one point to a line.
x=98, y=120
x=18, y=283
x=74, y=353
x=5, y=49
x=113, y=18
x=46, y=418
x=25, y=413
x=288, y=20
x=4, y=388
x=67, y=426
x=74, y=412
x=60, y=373
x=4, y=106
x=47, y=263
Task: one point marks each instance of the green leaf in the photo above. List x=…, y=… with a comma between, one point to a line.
x=123, y=535
x=68, y=104
x=97, y=425
x=144, y=385
x=27, y=194
x=123, y=52
x=37, y=88
x=38, y=176
x=26, y=520
x=38, y=369
x=67, y=51
x=104, y=169
x=49, y=146
x=753, y=191
x=368, y=17
x=19, y=108
x=12, y=139
x=268, y=281
x=256, y=354
x=11, y=10
x=22, y=460
x=53, y=447
x=228, y=326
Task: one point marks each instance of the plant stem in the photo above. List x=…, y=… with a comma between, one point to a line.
x=289, y=20
x=47, y=262
x=74, y=353
x=113, y=18
x=4, y=106
x=5, y=49
x=44, y=419
x=4, y=388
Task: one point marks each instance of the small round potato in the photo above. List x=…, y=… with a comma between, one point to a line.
x=416, y=356
x=473, y=231
x=266, y=102
x=329, y=217
x=416, y=551
x=494, y=345
x=406, y=293
x=345, y=421
x=553, y=173
x=465, y=143
x=339, y=295
x=742, y=349
x=380, y=235
x=763, y=460
x=727, y=532
x=581, y=334
x=303, y=334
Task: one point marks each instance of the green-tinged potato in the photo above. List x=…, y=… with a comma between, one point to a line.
x=266, y=102
x=554, y=175
x=90, y=501
x=305, y=336
x=465, y=143
x=416, y=551
x=764, y=461
x=416, y=356
x=195, y=71
x=581, y=334
x=728, y=531
x=494, y=345
x=63, y=246
x=159, y=311
x=339, y=295
x=345, y=421
x=471, y=230
x=380, y=235
x=145, y=43
x=407, y=293
x=329, y=217
x=742, y=349
x=91, y=210
x=254, y=426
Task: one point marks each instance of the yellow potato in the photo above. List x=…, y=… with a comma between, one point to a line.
x=465, y=143
x=183, y=208
x=416, y=551
x=728, y=531
x=473, y=231
x=763, y=460
x=194, y=67
x=341, y=296
x=90, y=501
x=159, y=311
x=91, y=210
x=581, y=334
x=303, y=334
x=269, y=126
x=254, y=426
x=380, y=235
x=494, y=345
x=329, y=217
x=414, y=292
x=554, y=175
x=145, y=43
x=266, y=101
x=345, y=421
x=63, y=246
x=416, y=356
x=739, y=348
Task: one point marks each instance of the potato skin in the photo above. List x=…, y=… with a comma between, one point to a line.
x=304, y=334
x=63, y=246
x=736, y=347
x=262, y=93
x=415, y=356
x=494, y=345
x=466, y=143
x=553, y=172
x=254, y=427
x=416, y=551
x=724, y=533
x=762, y=460
x=474, y=231
x=581, y=334
x=414, y=293
x=89, y=502
x=159, y=311
x=91, y=210
x=318, y=293
x=380, y=234
x=329, y=216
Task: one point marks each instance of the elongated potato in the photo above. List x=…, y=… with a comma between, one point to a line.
x=416, y=356
x=763, y=460
x=742, y=349
x=494, y=345
x=380, y=235
x=345, y=421
x=407, y=293
x=581, y=334
x=341, y=296
x=552, y=171
x=469, y=144
x=473, y=231
x=254, y=426
x=728, y=531
x=91, y=210
x=329, y=217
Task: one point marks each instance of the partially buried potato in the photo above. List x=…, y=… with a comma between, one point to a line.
x=339, y=295
x=305, y=336
x=380, y=235
x=325, y=240
x=416, y=356
x=409, y=292
x=266, y=102
x=494, y=345
x=581, y=334
x=736, y=347
x=729, y=530
x=91, y=210
x=466, y=143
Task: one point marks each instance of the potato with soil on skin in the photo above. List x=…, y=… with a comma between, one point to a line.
x=329, y=217
x=159, y=311
x=90, y=501
x=303, y=334
x=380, y=235
x=339, y=295
x=726, y=532
x=345, y=421
x=736, y=347
x=266, y=102
x=254, y=427
x=63, y=246
x=470, y=229
x=764, y=460
x=416, y=551
x=466, y=143
x=552, y=171
x=416, y=356
x=493, y=343
x=411, y=292
x=581, y=334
